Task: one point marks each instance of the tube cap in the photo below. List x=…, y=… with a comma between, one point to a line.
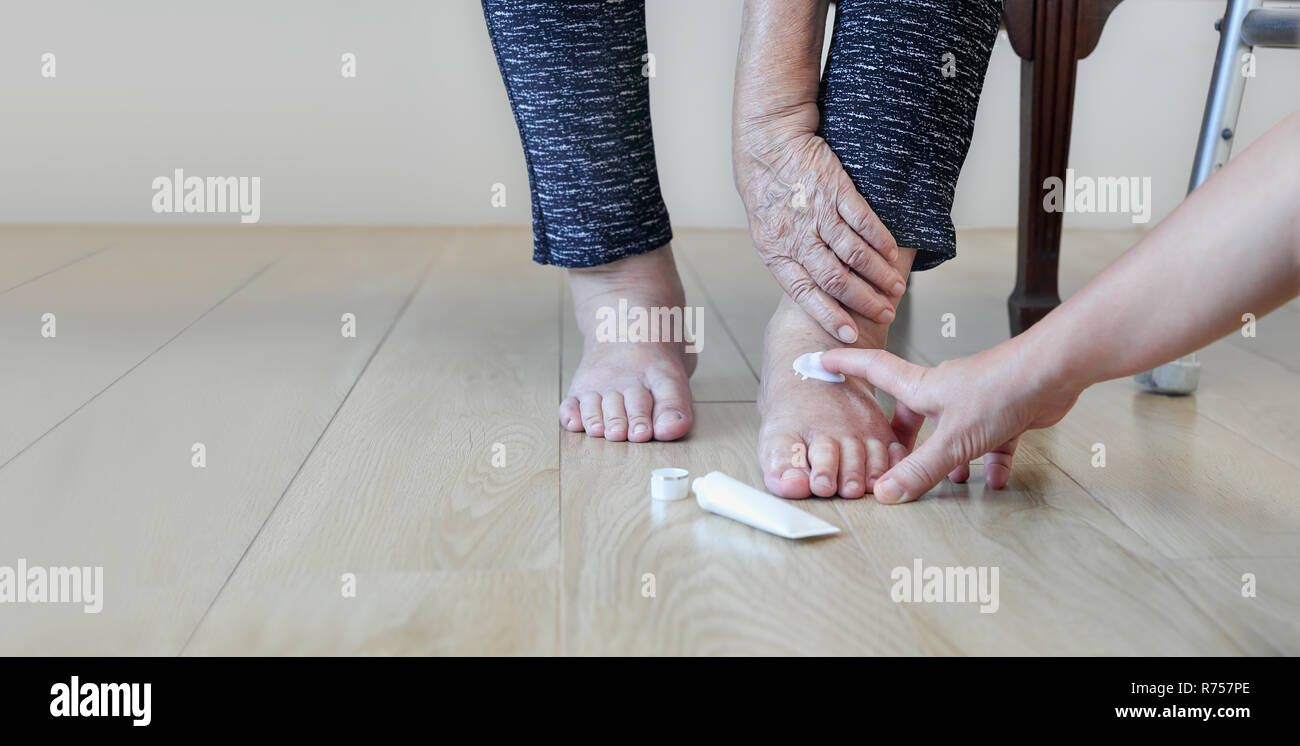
x=669, y=484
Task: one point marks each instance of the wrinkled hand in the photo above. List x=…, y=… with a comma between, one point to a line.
x=816, y=233
x=981, y=405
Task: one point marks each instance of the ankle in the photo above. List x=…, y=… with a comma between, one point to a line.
x=651, y=275
x=789, y=317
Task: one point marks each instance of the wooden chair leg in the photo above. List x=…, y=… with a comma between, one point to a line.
x=1050, y=36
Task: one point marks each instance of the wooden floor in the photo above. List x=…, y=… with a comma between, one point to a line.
x=374, y=456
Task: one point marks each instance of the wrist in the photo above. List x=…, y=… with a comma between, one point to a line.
x=761, y=131
x=1049, y=361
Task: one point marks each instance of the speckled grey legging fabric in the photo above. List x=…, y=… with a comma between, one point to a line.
x=900, y=126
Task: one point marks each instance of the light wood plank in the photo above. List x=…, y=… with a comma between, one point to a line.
x=403, y=490
x=256, y=381
x=1253, y=396
x=415, y=612
x=726, y=268
x=112, y=310
x=1191, y=487
x=1073, y=579
x=721, y=588
x=1266, y=623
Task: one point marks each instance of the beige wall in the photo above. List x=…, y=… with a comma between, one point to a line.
x=252, y=88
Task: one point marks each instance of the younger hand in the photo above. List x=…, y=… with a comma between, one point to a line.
x=981, y=404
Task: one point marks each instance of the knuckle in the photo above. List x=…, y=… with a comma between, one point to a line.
x=915, y=473
x=835, y=282
x=858, y=257
x=801, y=289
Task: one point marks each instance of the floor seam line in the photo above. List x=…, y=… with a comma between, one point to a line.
x=63, y=266
x=1251, y=441
x=238, y=288
x=415, y=289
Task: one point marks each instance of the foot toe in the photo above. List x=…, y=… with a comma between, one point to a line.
x=824, y=463
x=640, y=407
x=897, y=452
x=672, y=413
x=877, y=460
x=614, y=413
x=785, y=465
x=853, y=460
x=571, y=415
x=590, y=408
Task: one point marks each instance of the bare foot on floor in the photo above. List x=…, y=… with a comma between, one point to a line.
x=821, y=438
x=628, y=390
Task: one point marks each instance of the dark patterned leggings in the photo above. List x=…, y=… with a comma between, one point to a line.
x=895, y=108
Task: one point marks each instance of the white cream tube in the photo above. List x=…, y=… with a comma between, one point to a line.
x=718, y=493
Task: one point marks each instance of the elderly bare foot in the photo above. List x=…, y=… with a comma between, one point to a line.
x=817, y=438
x=629, y=390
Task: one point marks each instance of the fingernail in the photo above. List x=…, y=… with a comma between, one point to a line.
x=847, y=334
x=887, y=316
x=899, y=288
x=888, y=491
x=640, y=428
x=791, y=474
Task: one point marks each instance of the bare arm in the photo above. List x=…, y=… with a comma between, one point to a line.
x=1231, y=248
x=778, y=70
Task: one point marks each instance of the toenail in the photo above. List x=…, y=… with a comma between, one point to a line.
x=671, y=414
x=823, y=481
x=847, y=334
x=791, y=474
x=850, y=486
x=640, y=428
x=888, y=491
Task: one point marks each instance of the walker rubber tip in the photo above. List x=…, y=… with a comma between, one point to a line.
x=1178, y=378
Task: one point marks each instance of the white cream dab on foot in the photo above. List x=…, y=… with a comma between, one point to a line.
x=809, y=365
